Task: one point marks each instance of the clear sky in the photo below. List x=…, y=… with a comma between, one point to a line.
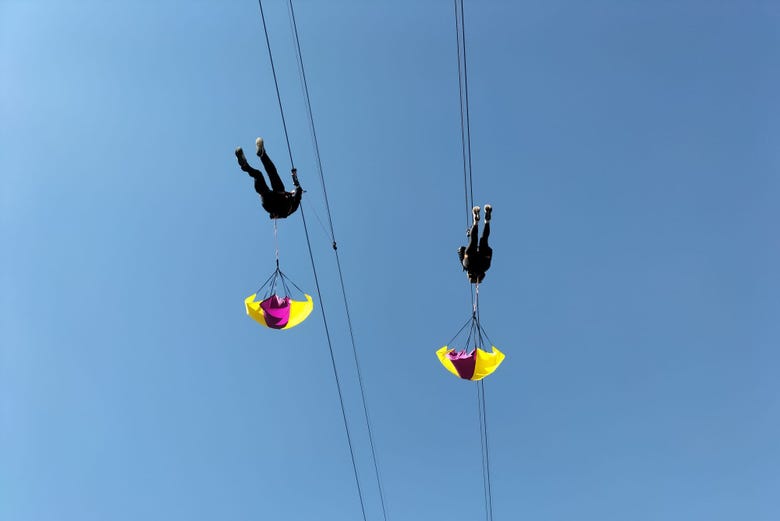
x=630, y=151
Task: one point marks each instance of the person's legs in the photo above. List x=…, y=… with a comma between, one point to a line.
x=487, y=257
x=473, y=235
x=483, y=242
x=260, y=186
x=470, y=254
x=485, y=251
x=276, y=182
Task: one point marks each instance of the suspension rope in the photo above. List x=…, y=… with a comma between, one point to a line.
x=316, y=280
x=315, y=141
x=276, y=244
x=470, y=321
x=266, y=282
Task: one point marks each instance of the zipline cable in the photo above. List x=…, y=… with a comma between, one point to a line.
x=479, y=341
x=482, y=446
x=276, y=84
x=465, y=119
x=483, y=425
x=478, y=344
x=462, y=122
x=312, y=128
x=318, y=156
x=487, y=450
x=465, y=130
x=333, y=363
x=468, y=184
x=316, y=280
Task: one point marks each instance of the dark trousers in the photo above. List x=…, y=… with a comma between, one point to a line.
x=476, y=261
x=483, y=242
x=260, y=186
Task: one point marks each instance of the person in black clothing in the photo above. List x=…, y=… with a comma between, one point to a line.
x=476, y=260
x=277, y=201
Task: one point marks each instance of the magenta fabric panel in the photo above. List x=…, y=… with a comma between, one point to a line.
x=276, y=311
x=464, y=362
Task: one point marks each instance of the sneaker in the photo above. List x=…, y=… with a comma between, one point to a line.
x=488, y=211
x=240, y=156
x=476, y=213
x=260, y=147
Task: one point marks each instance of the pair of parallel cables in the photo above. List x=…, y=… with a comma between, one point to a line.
x=468, y=188
x=469, y=200
x=312, y=128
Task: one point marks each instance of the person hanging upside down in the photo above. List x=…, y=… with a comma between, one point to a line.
x=476, y=259
x=277, y=201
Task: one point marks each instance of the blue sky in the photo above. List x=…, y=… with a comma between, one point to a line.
x=630, y=151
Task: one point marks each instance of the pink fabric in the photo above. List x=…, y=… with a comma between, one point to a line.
x=276, y=310
x=460, y=355
x=464, y=362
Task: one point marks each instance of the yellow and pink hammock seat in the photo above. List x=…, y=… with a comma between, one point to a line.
x=275, y=311
x=475, y=364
